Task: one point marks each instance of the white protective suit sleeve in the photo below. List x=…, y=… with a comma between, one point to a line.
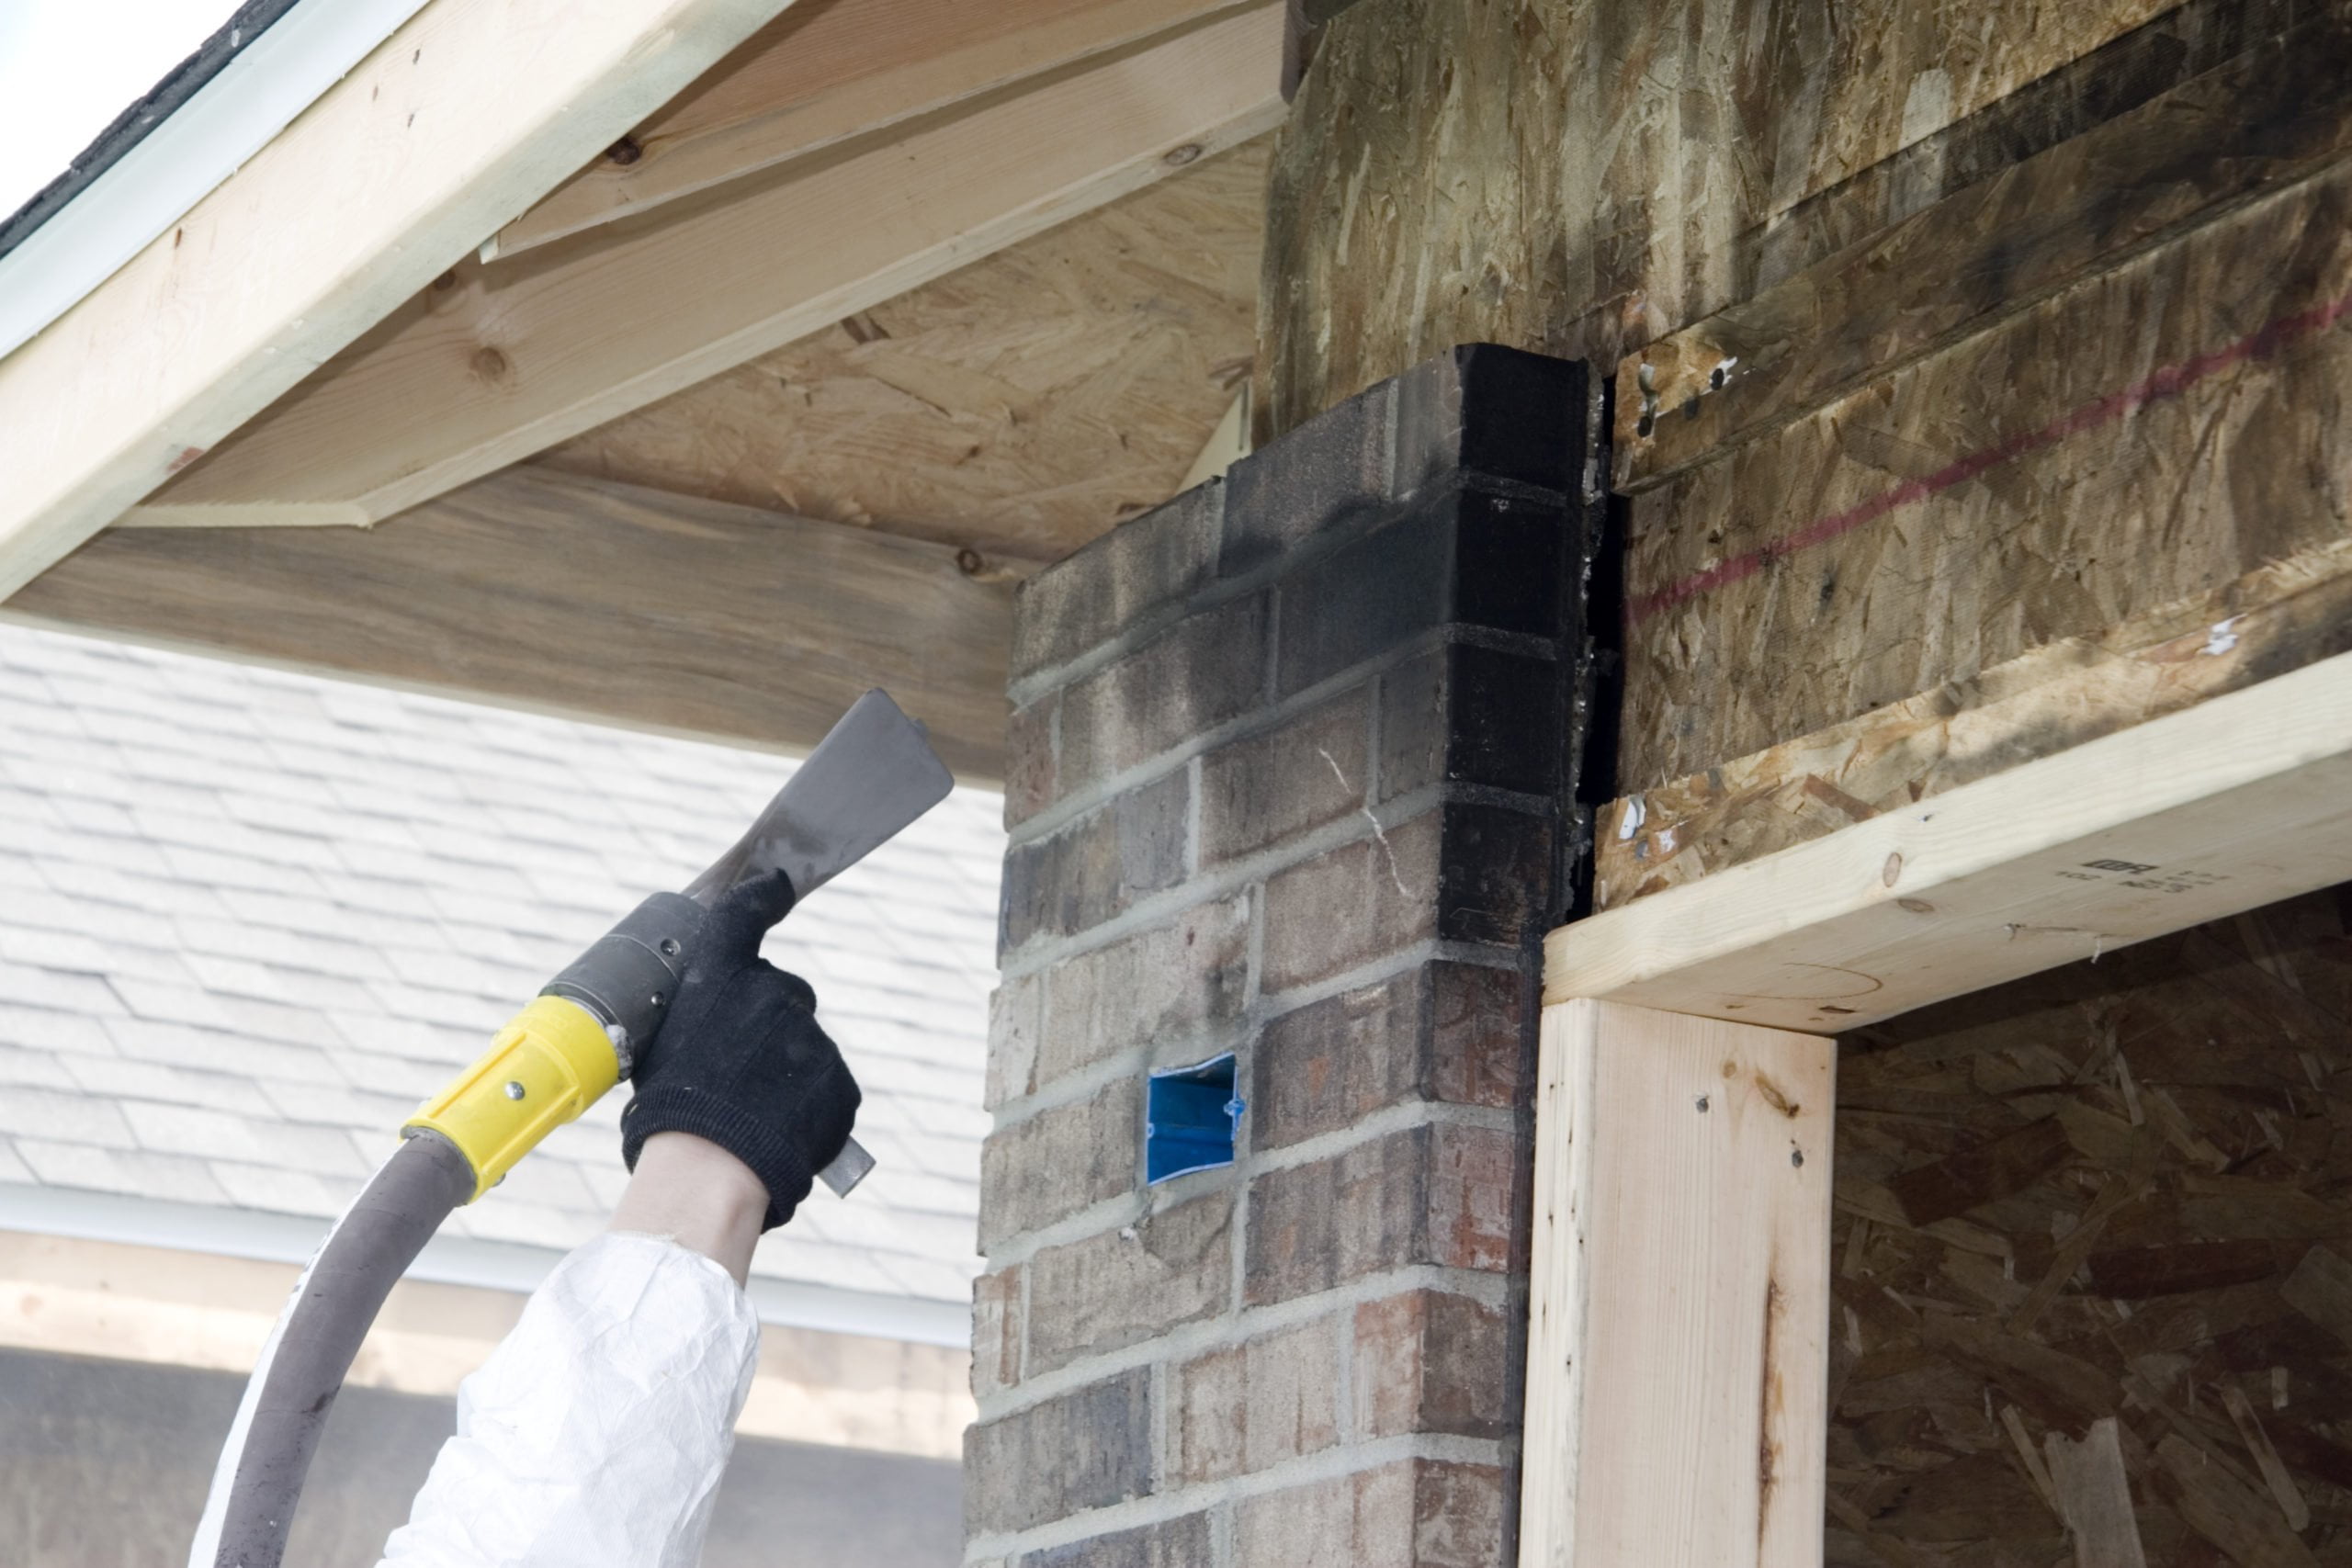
x=595, y=1435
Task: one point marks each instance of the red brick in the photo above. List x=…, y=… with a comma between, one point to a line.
x=1411, y=1514
x=1442, y=1031
x=1323, y=475
x=1251, y=1406
x=1059, y=1161
x=1187, y=974
x=1087, y=1449
x=1097, y=866
x=1127, y=1285
x=1350, y=906
x=1146, y=564
x=1444, y=1195
x=1433, y=1361
x=1482, y=1036
x=1175, y=1543
x=1207, y=670
x=1308, y=770
x=1014, y=1024
x=1030, y=764
x=996, y=1331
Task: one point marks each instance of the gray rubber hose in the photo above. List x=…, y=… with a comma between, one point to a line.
x=287, y=1401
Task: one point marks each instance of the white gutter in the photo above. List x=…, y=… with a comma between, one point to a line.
x=253, y=97
x=446, y=1261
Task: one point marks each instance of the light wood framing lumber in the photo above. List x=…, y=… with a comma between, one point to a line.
x=580, y=598
x=432, y=143
x=1678, y=1344
x=502, y=361
x=2235, y=803
x=827, y=70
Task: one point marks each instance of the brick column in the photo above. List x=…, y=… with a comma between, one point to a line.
x=1287, y=762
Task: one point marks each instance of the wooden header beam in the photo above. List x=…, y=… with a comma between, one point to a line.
x=503, y=361
x=2239, y=801
x=431, y=143
x=580, y=598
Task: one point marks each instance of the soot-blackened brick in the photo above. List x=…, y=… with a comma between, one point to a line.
x=1364, y=598
x=1125, y=848
x=1494, y=411
x=1088, y=1449
x=1507, y=561
x=1029, y=771
x=1326, y=473
x=1147, y=564
x=1207, y=669
x=1496, y=871
x=1464, y=713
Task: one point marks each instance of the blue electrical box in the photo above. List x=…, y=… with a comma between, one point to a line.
x=1191, y=1115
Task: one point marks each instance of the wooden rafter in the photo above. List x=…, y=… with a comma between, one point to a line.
x=827, y=70
x=501, y=361
x=421, y=150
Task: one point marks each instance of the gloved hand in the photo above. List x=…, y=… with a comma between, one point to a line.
x=741, y=1061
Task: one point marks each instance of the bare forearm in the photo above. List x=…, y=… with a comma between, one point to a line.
x=695, y=1192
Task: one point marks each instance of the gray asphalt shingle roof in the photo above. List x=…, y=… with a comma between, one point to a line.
x=248, y=919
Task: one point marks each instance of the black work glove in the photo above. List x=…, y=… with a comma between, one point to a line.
x=741, y=1059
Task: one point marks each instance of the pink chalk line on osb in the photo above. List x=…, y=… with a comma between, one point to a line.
x=2168, y=382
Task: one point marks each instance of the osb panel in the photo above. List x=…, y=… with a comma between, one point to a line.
x=1019, y=406
x=2278, y=617
x=2275, y=113
x=1578, y=175
x=2113, y=1192
x=2150, y=435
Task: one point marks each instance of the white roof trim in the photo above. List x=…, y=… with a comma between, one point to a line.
x=446, y=1260
x=151, y=187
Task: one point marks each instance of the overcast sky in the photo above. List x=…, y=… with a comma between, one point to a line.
x=68, y=67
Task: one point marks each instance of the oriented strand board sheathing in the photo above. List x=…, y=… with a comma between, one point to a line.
x=2275, y=113
x=1580, y=176
x=2093, y=1263
x=2148, y=435
x=1022, y=405
x=2278, y=617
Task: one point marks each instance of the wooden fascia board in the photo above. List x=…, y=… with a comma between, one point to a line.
x=465, y=115
x=2239, y=801
x=580, y=598
x=822, y=73
x=510, y=358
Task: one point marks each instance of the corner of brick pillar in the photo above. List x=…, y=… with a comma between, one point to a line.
x=1286, y=778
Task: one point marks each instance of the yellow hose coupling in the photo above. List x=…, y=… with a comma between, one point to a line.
x=553, y=1062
